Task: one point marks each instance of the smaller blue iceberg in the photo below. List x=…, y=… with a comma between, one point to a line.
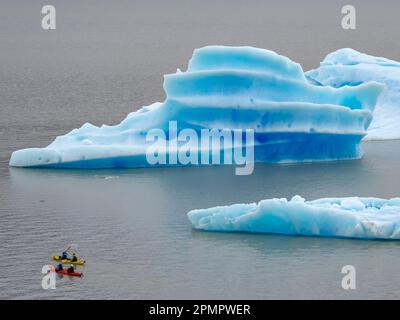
x=363, y=218
x=348, y=67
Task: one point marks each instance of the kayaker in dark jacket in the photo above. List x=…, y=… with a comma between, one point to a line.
x=74, y=258
x=64, y=256
x=71, y=269
x=59, y=267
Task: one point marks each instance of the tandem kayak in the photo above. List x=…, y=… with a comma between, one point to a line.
x=72, y=274
x=79, y=262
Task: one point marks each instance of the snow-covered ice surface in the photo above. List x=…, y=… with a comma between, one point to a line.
x=347, y=67
x=228, y=88
x=364, y=218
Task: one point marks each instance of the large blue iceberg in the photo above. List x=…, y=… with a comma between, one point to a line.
x=227, y=88
x=364, y=218
x=347, y=67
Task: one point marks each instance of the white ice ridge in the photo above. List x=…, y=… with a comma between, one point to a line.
x=364, y=218
x=234, y=88
x=347, y=67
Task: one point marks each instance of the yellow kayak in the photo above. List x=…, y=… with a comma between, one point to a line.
x=67, y=261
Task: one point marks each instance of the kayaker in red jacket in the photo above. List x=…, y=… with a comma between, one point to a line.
x=71, y=269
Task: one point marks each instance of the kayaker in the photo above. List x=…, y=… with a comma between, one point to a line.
x=71, y=269
x=64, y=256
x=59, y=267
x=74, y=258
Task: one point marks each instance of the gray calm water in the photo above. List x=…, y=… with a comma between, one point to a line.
x=106, y=59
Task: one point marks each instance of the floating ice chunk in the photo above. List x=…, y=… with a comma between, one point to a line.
x=365, y=218
x=347, y=67
x=234, y=88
